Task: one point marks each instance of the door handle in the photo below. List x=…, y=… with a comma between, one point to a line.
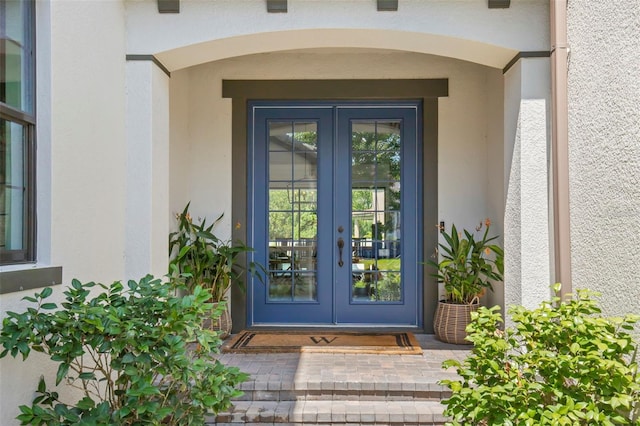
x=340, y=247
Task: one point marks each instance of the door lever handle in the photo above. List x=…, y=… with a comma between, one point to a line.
x=340, y=247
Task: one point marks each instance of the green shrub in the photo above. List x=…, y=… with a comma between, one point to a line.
x=129, y=350
x=561, y=364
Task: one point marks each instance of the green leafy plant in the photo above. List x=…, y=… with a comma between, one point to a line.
x=389, y=288
x=200, y=258
x=127, y=350
x=467, y=268
x=561, y=364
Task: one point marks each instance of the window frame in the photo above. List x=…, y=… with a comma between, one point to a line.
x=27, y=254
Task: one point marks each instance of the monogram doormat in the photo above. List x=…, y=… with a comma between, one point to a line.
x=390, y=343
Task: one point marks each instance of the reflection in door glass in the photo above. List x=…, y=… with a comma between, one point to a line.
x=293, y=221
x=375, y=211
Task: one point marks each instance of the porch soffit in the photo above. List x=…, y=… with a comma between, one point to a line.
x=279, y=41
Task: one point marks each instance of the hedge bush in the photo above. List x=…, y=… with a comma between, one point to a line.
x=138, y=354
x=560, y=364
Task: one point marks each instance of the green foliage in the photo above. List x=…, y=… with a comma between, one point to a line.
x=389, y=288
x=199, y=258
x=293, y=213
x=128, y=350
x=375, y=167
x=561, y=364
x=464, y=269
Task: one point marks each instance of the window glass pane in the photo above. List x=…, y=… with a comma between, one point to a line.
x=375, y=211
x=12, y=185
x=280, y=135
x=279, y=198
x=363, y=136
x=280, y=225
x=305, y=286
x=280, y=285
x=280, y=166
x=305, y=136
x=388, y=166
x=16, y=55
x=388, y=135
x=293, y=221
x=363, y=166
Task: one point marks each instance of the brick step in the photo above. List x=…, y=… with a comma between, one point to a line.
x=324, y=386
x=350, y=389
x=332, y=412
x=342, y=391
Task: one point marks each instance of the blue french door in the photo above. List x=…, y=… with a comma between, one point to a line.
x=335, y=213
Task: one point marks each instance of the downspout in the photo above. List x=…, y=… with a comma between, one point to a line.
x=560, y=145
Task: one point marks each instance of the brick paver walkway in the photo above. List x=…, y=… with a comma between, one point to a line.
x=321, y=388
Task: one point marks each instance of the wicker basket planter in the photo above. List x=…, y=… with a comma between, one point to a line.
x=451, y=320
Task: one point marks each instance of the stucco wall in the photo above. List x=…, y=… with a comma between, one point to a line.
x=495, y=169
x=604, y=150
x=527, y=232
x=88, y=139
x=224, y=28
x=81, y=163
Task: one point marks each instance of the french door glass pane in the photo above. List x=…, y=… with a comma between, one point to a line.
x=293, y=221
x=375, y=211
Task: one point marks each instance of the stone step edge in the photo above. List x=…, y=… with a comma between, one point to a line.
x=342, y=395
x=265, y=385
x=341, y=412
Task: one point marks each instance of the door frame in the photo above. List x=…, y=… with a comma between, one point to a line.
x=427, y=90
x=334, y=306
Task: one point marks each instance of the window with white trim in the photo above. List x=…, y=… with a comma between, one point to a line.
x=17, y=131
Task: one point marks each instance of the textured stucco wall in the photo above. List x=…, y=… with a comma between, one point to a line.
x=205, y=31
x=147, y=218
x=88, y=139
x=81, y=164
x=527, y=238
x=604, y=150
x=495, y=169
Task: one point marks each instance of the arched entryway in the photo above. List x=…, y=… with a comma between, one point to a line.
x=209, y=129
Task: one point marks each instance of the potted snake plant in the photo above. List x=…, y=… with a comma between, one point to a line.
x=199, y=258
x=467, y=268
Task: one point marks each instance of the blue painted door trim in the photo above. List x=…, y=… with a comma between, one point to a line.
x=334, y=303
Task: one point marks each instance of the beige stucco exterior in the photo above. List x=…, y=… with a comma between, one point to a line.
x=604, y=150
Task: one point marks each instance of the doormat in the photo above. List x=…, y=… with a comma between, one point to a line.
x=391, y=343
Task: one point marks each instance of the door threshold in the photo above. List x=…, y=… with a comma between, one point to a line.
x=337, y=327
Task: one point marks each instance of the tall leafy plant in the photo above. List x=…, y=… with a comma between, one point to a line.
x=128, y=351
x=200, y=258
x=468, y=266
